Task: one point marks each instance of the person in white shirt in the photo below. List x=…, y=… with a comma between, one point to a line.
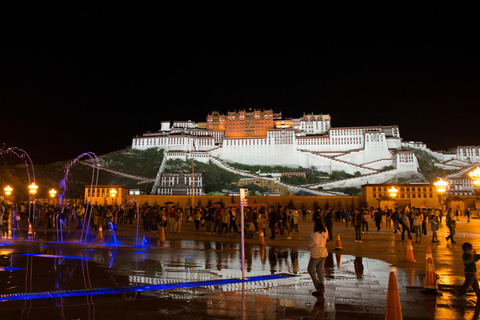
x=318, y=253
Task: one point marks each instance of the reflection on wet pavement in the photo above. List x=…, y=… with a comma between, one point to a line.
x=355, y=286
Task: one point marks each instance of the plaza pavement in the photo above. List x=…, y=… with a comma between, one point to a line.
x=348, y=295
x=363, y=297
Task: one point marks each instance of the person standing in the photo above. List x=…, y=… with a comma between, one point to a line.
x=197, y=219
x=272, y=221
x=347, y=215
x=318, y=253
x=365, y=214
x=405, y=221
x=388, y=218
x=451, y=221
x=357, y=222
x=417, y=225
x=329, y=223
x=434, y=225
x=178, y=221
x=172, y=215
x=468, y=213
x=378, y=218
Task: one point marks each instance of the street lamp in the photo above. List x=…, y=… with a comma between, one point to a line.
x=475, y=175
x=393, y=192
x=52, y=193
x=8, y=190
x=441, y=186
x=33, y=188
x=113, y=194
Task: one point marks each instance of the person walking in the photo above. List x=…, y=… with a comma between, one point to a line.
x=318, y=253
x=469, y=258
x=293, y=218
x=396, y=221
x=451, y=222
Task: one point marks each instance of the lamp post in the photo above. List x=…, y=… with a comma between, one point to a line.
x=33, y=190
x=8, y=191
x=393, y=194
x=441, y=186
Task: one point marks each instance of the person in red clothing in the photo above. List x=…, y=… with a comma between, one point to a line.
x=172, y=216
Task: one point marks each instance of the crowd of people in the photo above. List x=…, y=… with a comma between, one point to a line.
x=221, y=219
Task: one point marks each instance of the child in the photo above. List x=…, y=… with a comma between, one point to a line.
x=469, y=258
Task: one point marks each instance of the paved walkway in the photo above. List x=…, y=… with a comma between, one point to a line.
x=357, y=278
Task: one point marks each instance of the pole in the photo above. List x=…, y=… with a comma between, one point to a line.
x=243, y=202
x=242, y=236
x=193, y=181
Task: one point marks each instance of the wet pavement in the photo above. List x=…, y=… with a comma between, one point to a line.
x=356, y=276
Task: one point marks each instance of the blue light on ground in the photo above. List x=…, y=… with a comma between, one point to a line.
x=43, y=247
x=9, y=268
x=141, y=288
x=138, y=252
x=54, y=256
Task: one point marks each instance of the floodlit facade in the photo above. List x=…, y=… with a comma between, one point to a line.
x=374, y=154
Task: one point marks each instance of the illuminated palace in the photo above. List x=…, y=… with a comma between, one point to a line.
x=373, y=154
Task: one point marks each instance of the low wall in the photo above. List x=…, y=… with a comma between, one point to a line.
x=298, y=201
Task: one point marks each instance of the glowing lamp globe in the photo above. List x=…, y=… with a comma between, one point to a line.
x=52, y=193
x=475, y=175
x=441, y=185
x=33, y=188
x=113, y=193
x=8, y=190
x=393, y=192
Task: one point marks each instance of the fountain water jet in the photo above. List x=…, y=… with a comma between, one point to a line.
x=90, y=197
x=22, y=154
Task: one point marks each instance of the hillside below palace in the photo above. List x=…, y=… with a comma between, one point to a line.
x=373, y=154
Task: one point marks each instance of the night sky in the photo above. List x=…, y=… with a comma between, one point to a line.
x=89, y=78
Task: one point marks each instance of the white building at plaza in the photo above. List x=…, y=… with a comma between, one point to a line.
x=374, y=154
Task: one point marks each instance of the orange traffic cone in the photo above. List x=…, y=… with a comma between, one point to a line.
x=431, y=285
x=338, y=244
x=100, y=233
x=410, y=257
x=30, y=232
x=393, y=309
x=162, y=234
x=428, y=255
x=262, y=239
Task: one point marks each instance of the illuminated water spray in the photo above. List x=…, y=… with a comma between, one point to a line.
x=137, y=215
x=90, y=197
x=22, y=154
